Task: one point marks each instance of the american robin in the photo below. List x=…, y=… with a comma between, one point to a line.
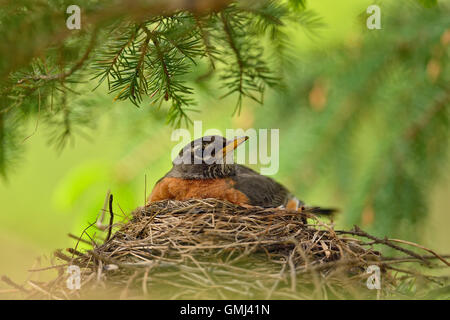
x=205, y=168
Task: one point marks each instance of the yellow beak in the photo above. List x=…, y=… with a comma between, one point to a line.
x=233, y=145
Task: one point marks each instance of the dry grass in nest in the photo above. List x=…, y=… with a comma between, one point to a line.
x=213, y=249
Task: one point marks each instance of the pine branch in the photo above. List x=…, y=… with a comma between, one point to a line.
x=440, y=103
x=137, y=67
x=162, y=61
x=109, y=67
x=62, y=76
x=209, y=50
x=231, y=41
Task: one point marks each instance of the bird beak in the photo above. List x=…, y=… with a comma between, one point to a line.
x=233, y=144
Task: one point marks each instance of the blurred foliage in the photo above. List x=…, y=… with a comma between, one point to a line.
x=372, y=117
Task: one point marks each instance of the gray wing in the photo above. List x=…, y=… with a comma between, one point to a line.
x=261, y=190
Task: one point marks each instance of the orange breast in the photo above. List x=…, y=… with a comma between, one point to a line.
x=184, y=189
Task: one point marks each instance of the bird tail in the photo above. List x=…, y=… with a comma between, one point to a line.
x=321, y=211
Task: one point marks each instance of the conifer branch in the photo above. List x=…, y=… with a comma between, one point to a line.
x=162, y=61
x=112, y=64
x=62, y=76
x=231, y=42
x=206, y=41
x=440, y=103
x=139, y=73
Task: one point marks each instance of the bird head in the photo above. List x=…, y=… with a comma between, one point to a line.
x=207, y=156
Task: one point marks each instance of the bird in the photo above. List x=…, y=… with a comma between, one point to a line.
x=205, y=168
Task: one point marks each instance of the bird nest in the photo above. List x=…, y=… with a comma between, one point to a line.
x=206, y=249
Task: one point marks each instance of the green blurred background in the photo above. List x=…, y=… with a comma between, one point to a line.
x=340, y=120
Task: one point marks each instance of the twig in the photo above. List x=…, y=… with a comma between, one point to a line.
x=34, y=285
x=38, y=117
x=11, y=283
x=359, y=232
x=111, y=217
x=64, y=75
x=101, y=214
x=423, y=248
